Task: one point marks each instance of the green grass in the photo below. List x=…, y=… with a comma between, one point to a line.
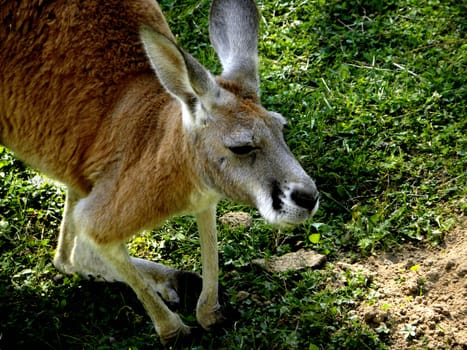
x=375, y=97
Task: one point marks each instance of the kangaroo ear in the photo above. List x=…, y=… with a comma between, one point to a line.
x=233, y=29
x=181, y=74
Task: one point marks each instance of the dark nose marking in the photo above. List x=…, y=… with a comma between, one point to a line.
x=304, y=199
x=276, y=195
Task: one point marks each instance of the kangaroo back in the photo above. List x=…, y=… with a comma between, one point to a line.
x=64, y=68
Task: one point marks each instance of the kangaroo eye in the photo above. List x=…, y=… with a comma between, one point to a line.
x=242, y=150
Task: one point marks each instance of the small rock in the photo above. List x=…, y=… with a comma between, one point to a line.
x=375, y=316
x=242, y=295
x=369, y=315
x=433, y=275
x=58, y=278
x=292, y=261
x=441, y=310
x=449, y=265
x=412, y=288
x=380, y=317
x=236, y=219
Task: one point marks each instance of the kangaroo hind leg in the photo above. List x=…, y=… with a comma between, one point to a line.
x=95, y=252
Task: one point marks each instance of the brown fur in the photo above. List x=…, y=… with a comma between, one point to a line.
x=61, y=106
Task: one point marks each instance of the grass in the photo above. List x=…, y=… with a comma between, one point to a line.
x=375, y=97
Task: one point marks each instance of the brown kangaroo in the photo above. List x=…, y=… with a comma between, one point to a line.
x=98, y=95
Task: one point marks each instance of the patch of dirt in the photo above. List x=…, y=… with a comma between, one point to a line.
x=418, y=297
x=420, y=294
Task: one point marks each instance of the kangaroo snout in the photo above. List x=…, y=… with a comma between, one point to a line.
x=290, y=203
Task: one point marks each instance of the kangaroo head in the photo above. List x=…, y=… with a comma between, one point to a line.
x=239, y=145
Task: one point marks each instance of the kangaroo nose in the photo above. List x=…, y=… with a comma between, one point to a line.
x=305, y=199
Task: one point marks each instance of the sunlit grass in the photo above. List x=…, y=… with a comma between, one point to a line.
x=374, y=93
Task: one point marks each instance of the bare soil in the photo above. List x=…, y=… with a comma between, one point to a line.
x=419, y=292
x=420, y=297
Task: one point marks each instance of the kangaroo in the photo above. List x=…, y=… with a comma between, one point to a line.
x=98, y=95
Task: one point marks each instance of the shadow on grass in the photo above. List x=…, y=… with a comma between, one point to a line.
x=81, y=314
x=85, y=315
